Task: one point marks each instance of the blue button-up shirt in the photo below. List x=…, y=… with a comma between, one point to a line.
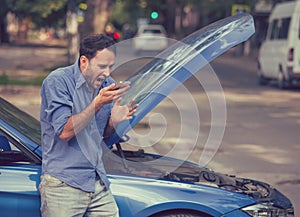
x=65, y=92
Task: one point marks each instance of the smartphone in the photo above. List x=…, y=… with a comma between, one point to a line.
x=121, y=84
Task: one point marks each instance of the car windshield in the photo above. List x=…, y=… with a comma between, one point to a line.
x=153, y=31
x=21, y=121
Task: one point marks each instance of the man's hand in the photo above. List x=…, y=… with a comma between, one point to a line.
x=109, y=94
x=121, y=113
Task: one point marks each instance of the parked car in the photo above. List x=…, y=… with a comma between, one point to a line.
x=279, y=54
x=150, y=37
x=165, y=188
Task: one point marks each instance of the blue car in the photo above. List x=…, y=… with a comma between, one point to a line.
x=168, y=186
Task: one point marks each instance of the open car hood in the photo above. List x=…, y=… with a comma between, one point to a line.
x=139, y=164
x=169, y=69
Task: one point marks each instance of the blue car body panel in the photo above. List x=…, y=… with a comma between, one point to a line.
x=143, y=197
x=136, y=197
x=19, y=194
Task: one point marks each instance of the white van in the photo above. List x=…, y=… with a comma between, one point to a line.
x=279, y=54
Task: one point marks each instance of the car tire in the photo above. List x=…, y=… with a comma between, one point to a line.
x=281, y=81
x=261, y=78
x=180, y=213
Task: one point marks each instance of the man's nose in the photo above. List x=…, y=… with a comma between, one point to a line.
x=106, y=72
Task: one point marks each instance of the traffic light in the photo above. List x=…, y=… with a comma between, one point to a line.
x=154, y=15
x=116, y=36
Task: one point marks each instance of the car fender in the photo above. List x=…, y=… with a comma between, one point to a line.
x=175, y=205
x=144, y=196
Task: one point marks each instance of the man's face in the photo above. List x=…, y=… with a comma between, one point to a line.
x=98, y=68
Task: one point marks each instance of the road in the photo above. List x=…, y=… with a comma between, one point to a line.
x=262, y=130
x=261, y=124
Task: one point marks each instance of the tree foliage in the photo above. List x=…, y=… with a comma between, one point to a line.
x=52, y=13
x=128, y=11
x=42, y=13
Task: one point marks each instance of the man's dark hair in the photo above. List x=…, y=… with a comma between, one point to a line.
x=93, y=43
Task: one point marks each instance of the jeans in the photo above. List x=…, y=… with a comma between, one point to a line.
x=60, y=199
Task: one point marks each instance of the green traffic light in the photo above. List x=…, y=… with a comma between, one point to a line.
x=154, y=15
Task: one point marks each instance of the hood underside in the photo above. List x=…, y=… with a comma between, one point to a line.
x=140, y=164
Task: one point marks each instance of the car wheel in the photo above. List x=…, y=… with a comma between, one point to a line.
x=180, y=213
x=261, y=79
x=281, y=82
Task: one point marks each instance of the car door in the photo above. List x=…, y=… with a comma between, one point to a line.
x=268, y=50
x=273, y=53
x=19, y=180
x=295, y=39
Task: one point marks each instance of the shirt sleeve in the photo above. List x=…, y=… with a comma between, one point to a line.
x=59, y=102
x=104, y=113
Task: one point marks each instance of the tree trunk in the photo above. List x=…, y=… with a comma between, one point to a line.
x=170, y=21
x=102, y=11
x=96, y=17
x=4, y=38
x=23, y=27
x=72, y=32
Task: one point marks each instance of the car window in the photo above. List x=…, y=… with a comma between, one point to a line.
x=280, y=28
x=299, y=29
x=273, y=29
x=9, y=153
x=284, y=28
x=153, y=31
x=21, y=121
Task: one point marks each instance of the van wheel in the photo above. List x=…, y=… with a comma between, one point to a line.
x=261, y=79
x=281, y=82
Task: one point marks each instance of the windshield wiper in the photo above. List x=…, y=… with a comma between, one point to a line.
x=121, y=153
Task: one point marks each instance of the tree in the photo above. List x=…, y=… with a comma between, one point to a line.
x=96, y=17
x=40, y=13
x=72, y=31
x=4, y=38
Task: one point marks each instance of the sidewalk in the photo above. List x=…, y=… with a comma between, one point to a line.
x=27, y=62
x=231, y=58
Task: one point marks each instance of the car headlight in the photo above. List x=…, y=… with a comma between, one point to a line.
x=268, y=210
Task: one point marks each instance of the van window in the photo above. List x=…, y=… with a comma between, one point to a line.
x=280, y=28
x=299, y=30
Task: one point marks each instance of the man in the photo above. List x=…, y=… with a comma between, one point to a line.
x=80, y=105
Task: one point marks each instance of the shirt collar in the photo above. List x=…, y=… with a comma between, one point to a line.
x=79, y=78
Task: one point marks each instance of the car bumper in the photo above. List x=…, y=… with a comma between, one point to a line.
x=150, y=44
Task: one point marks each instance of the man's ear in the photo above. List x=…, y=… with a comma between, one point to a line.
x=84, y=62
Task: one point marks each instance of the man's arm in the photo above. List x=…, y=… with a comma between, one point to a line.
x=77, y=122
